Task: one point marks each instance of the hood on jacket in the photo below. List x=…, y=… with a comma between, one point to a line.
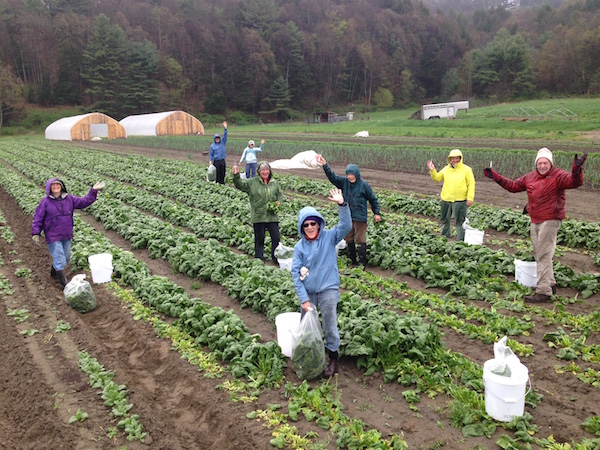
x=215, y=138
x=55, y=180
x=260, y=163
x=453, y=153
x=353, y=169
x=306, y=212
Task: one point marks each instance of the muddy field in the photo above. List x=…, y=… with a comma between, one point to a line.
x=41, y=386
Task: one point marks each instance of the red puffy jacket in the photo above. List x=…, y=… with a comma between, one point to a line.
x=545, y=193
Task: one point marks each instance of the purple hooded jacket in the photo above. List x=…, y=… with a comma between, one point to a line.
x=54, y=216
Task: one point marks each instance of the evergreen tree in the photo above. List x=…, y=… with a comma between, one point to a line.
x=103, y=68
x=278, y=101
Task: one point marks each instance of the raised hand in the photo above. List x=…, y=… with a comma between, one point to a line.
x=335, y=195
x=99, y=185
x=430, y=165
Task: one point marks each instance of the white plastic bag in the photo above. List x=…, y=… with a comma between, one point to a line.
x=283, y=252
x=79, y=294
x=340, y=246
x=211, y=174
x=308, y=349
x=503, y=358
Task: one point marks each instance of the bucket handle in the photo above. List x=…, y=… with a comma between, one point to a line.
x=515, y=400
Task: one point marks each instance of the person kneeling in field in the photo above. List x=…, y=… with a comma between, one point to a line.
x=54, y=216
x=315, y=270
x=545, y=188
x=357, y=193
x=265, y=198
x=458, y=192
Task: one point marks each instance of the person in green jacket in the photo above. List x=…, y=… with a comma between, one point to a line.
x=458, y=192
x=265, y=197
x=357, y=193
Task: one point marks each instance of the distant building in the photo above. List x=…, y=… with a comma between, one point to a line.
x=85, y=127
x=168, y=123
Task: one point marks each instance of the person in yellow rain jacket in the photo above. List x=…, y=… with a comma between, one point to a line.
x=457, y=194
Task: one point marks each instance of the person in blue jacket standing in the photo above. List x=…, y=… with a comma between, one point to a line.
x=357, y=193
x=249, y=155
x=218, y=153
x=315, y=270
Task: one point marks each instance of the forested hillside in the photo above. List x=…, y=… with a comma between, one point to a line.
x=275, y=57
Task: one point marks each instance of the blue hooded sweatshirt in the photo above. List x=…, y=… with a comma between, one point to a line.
x=319, y=256
x=356, y=194
x=217, y=150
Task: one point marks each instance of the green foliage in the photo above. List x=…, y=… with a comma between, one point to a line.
x=383, y=98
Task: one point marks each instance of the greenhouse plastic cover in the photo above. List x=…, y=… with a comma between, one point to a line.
x=302, y=160
x=143, y=124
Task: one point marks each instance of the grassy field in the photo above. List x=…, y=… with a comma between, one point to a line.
x=546, y=119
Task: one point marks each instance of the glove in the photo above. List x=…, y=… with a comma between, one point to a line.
x=525, y=212
x=578, y=162
x=303, y=273
x=36, y=239
x=490, y=173
x=99, y=186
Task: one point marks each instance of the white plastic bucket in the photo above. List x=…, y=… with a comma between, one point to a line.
x=285, y=264
x=505, y=396
x=286, y=323
x=474, y=236
x=101, y=267
x=526, y=273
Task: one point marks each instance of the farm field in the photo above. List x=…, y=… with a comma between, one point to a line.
x=188, y=330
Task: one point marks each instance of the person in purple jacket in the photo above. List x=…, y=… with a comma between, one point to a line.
x=54, y=216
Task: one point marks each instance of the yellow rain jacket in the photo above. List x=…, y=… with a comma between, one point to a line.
x=459, y=182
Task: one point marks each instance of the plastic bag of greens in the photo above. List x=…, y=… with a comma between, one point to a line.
x=283, y=252
x=308, y=350
x=79, y=294
x=503, y=358
x=211, y=173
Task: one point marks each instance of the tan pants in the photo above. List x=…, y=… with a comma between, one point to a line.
x=543, y=239
x=358, y=233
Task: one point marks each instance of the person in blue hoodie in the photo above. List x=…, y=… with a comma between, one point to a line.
x=218, y=153
x=315, y=270
x=357, y=193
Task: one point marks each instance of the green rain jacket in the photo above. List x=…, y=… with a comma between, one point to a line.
x=261, y=194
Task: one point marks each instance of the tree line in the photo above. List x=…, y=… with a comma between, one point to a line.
x=279, y=58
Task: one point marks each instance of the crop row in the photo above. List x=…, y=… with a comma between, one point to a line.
x=510, y=162
x=425, y=380
x=449, y=265
x=351, y=432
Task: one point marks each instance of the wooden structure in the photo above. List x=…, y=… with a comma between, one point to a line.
x=167, y=123
x=85, y=127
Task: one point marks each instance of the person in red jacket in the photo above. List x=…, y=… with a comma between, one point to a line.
x=545, y=188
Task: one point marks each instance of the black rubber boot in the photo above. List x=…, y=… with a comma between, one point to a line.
x=60, y=276
x=352, y=253
x=334, y=365
x=362, y=255
x=52, y=272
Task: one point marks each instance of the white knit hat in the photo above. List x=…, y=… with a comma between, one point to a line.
x=544, y=153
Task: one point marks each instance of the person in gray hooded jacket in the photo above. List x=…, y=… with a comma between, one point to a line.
x=357, y=193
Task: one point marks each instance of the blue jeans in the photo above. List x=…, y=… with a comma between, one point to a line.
x=250, y=170
x=61, y=253
x=327, y=302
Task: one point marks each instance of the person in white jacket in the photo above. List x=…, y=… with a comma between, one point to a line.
x=249, y=155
